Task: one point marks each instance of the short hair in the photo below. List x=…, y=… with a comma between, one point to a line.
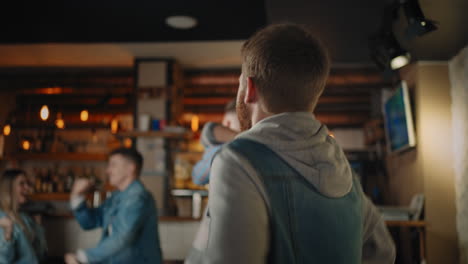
x=131, y=155
x=288, y=65
x=230, y=107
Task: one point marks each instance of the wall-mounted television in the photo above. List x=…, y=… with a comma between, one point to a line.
x=399, y=126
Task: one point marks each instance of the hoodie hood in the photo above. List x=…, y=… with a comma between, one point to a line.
x=304, y=143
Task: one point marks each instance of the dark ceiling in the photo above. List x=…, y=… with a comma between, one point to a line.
x=344, y=26
x=126, y=21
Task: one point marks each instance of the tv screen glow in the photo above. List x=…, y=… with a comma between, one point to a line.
x=399, y=120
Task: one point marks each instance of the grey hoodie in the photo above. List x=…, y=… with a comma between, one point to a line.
x=236, y=228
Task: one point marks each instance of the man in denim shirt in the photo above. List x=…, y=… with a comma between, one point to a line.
x=213, y=136
x=128, y=218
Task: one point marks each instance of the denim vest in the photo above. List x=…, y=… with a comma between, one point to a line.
x=305, y=226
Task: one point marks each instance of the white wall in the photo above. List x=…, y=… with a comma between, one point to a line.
x=350, y=139
x=459, y=82
x=429, y=167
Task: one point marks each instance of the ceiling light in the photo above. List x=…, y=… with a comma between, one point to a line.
x=418, y=25
x=387, y=52
x=181, y=22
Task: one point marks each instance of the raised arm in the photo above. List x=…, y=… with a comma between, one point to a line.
x=88, y=218
x=213, y=137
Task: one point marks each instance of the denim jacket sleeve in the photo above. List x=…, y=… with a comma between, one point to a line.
x=39, y=244
x=201, y=170
x=6, y=249
x=125, y=227
x=89, y=218
x=17, y=250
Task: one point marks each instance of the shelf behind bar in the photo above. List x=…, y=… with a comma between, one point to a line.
x=161, y=218
x=59, y=156
x=160, y=134
x=188, y=192
x=410, y=223
x=52, y=196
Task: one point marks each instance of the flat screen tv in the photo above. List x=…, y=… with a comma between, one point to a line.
x=399, y=127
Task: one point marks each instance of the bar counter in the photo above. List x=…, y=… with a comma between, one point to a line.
x=64, y=234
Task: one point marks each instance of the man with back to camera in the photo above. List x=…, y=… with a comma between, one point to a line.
x=128, y=218
x=213, y=136
x=283, y=190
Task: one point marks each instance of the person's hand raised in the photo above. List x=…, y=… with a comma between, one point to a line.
x=81, y=186
x=71, y=259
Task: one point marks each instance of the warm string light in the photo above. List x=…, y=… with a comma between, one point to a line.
x=114, y=126
x=26, y=145
x=195, y=123
x=59, y=122
x=44, y=112
x=128, y=142
x=7, y=130
x=84, y=115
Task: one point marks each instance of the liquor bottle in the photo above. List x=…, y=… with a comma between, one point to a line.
x=94, y=178
x=60, y=184
x=86, y=173
x=37, y=180
x=70, y=179
x=55, y=179
x=49, y=182
x=44, y=183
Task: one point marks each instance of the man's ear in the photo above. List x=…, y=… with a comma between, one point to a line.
x=251, y=95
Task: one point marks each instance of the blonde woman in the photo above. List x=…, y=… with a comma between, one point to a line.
x=21, y=238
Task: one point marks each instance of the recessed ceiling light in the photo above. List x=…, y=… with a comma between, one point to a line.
x=181, y=22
